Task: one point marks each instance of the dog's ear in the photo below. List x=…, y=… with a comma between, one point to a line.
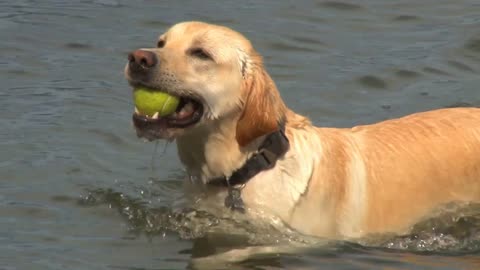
x=263, y=108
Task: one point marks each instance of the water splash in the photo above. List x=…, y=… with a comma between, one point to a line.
x=455, y=230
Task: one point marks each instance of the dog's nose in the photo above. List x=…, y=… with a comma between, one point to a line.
x=142, y=58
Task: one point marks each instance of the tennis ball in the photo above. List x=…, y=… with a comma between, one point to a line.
x=149, y=102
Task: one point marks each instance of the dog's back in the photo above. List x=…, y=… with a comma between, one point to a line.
x=416, y=163
x=387, y=176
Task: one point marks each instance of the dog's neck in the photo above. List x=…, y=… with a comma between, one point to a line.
x=212, y=152
x=218, y=148
x=209, y=153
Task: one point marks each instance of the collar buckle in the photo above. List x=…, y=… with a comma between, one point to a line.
x=268, y=158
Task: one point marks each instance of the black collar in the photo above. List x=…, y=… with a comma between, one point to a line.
x=274, y=146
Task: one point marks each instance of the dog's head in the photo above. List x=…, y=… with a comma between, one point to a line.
x=217, y=75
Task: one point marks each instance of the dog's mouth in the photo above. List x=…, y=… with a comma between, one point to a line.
x=188, y=113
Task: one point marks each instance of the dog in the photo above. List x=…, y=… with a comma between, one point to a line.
x=240, y=142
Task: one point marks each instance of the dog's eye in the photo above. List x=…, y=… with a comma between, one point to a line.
x=200, y=53
x=160, y=43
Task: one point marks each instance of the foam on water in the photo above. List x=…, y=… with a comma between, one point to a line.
x=455, y=229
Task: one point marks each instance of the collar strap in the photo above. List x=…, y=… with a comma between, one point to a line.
x=274, y=146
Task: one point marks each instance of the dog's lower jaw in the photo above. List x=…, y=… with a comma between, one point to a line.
x=152, y=136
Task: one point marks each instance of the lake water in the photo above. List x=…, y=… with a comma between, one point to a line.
x=78, y=190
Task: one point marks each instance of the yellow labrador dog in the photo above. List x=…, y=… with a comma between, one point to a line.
x=236, y=137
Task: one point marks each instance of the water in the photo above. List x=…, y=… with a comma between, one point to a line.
x=79, y=191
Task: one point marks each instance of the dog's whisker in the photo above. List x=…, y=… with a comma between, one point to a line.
x=152, y=160
x=165, y=147
x=155, y=149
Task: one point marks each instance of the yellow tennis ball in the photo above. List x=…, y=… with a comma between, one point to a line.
x=149, y=102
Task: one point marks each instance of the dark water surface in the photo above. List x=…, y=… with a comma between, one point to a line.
x=78, y=191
